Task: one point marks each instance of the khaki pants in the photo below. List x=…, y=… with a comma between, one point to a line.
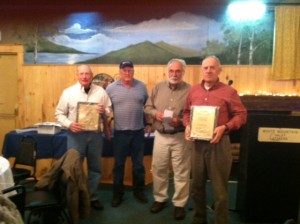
x=171, y=148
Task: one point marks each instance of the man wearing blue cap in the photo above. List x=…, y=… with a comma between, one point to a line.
x=128, y=96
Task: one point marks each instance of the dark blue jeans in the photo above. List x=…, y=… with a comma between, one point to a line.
x=129, y=143
x=89, y=145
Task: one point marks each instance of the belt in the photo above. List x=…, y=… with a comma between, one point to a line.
x=171, y=132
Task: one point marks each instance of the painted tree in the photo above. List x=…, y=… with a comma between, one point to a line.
x=250, y=39
x=32, y=35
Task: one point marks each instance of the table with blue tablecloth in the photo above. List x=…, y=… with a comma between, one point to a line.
x=52, y=147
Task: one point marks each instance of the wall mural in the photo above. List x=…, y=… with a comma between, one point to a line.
x=89, y=37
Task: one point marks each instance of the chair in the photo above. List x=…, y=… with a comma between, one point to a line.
x=67, y=178
x=43, y=202
x=37, y=202
x=25, y=164
x=17, y=196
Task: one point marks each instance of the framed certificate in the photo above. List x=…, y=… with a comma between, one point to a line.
x=88, y=116
x=203, y=122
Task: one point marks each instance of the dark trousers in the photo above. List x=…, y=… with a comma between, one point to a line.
x=211, y=161
x=128, y=143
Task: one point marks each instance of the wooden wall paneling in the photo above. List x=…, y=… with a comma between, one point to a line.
x=57, y=80
x=275, y=85
x=297, y=86
x=112, y=70
x=193, y=74
x=19, y=50
x=156, y=74
x=51, y=95
x=12, y=55
x=21, y=87
x=144, y=73
x=43, y=84
x=246, y=83
x=231, y=73
x=262, y=82
x=33, y=95
x=286, y=87
x=251, y=73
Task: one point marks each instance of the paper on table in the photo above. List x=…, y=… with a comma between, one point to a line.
x=25, y=130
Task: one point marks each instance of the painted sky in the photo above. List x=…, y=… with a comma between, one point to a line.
x=92, y=35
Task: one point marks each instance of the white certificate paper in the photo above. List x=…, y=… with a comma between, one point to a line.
x=88, y=116
x=203, y=122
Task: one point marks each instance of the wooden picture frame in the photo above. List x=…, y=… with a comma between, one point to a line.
x=88, y=116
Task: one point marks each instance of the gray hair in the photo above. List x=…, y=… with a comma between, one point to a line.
x=83, y=65
x=212, y=56
x=181, y=61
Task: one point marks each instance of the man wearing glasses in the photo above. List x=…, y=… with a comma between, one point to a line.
x=165, y=106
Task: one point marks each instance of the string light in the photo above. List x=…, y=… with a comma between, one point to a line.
x=266, y=93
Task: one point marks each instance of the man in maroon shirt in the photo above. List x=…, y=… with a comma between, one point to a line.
x=212, y=159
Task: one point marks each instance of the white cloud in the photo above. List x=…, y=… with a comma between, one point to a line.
x=76, y=29
x=181, y=29
x=98, y=43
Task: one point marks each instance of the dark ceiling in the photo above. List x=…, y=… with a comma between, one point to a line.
x=139, y=2
x=125, y=9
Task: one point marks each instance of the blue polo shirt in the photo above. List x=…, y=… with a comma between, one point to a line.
x=128, y=104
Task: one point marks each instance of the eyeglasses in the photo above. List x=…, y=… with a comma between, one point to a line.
x=177, y=72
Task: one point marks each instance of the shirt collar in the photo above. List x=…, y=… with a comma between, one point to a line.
x=119, y=82
x=82, y=88
x=213, y=87
x=179, y=85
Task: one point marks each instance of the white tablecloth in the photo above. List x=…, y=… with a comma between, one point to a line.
x=6, y=177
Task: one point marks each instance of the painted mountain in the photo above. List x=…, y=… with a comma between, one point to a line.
x=147, y=53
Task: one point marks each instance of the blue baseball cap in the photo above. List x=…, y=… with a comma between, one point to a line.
x=124, y=64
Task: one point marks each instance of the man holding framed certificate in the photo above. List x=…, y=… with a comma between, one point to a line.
x=211, y=111
x=83, y=109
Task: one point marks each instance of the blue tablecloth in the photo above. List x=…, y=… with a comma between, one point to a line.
x=54, y=146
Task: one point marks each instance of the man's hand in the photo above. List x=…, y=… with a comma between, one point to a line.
x=187, y=133
x=107, y=129
x=100, y=108
x=159, y=116
x=218, y=132
x=148, y=130
x=175, y=122
x=75, y=127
